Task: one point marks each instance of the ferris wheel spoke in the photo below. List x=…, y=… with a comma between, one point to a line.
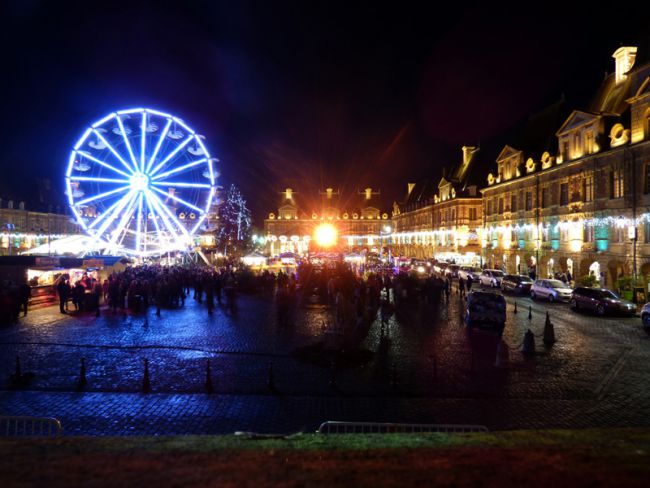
x=110, y=219
x=102, y=163
x=169, y=213
x=126, y=141
x=101, y=196
x=171, y=155
x=160, y=141
x=143, y=139
x=138, y=224
x=105, y=214
x=173, y=233
x=98, y=180
x=180, y=184
x=152, y=211
x=112, y=149
x=122, y=224
x=180, y=169
x=179, y=200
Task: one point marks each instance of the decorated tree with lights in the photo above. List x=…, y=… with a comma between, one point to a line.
x=234, y=231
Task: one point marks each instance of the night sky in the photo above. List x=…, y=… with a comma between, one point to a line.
x=303, y=94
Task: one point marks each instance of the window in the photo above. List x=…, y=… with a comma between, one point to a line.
x=545, y=197
x=489, y=207
x=588, y=233
x=564, y=194
x=472, y=213
x=500, y=206
x=617, y=183
x=646, y=231
x=453, y=214
x=618, y=234
x=529, y=200
x=565, y=149
x=589, y=142
x=646, y=178
x=588, y=188
x=577, y=146
x=513, y=203
x=564, y=234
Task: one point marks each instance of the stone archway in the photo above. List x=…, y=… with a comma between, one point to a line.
x=617, y=269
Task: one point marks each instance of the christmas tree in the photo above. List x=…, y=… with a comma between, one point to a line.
x=233, y=235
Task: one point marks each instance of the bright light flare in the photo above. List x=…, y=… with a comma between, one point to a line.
x=325, y=235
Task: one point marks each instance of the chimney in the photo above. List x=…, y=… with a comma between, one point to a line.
x=468, y=153
x=623, y=61
x=410, y=187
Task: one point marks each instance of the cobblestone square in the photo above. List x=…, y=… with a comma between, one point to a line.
x=425, y=366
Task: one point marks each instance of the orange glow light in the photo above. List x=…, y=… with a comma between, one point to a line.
x=325, y=235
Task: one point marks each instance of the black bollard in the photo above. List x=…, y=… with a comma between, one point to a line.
x=271, y=381
x=549, y=332
x=515, y=307
x=528, y=348
x=81, y=384
x=530, y=312
x=146, y=382
x=208, y=378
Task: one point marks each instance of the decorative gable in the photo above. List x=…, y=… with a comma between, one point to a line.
x=508, y=162
x=578, y=135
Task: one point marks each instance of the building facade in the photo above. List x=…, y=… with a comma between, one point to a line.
x=442, y=222
x=23, y=229
x=359, y=222
x=582, y=205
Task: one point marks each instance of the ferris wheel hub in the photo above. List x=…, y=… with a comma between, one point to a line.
x=139, y=182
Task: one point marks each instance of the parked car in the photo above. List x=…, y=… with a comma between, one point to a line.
x=451, y=271
x=484, y=307
x=552, y=290
x=645, y=317
x=466, y=271
x=601, y=301
x=519, y=284
x=491, y=277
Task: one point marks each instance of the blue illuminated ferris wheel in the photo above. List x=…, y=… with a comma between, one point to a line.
x=141, y=182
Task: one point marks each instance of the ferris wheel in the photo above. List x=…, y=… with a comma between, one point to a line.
x=141, y=182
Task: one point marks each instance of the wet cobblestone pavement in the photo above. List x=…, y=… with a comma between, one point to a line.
x=425, y=366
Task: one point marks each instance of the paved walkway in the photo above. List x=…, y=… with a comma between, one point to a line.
x=425, y=367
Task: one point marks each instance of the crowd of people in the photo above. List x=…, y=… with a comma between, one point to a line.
x=351, y=294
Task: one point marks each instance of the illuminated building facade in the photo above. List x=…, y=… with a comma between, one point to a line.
x=359, y=222
x=578, y=202
x=23, y=228
x=444, y=221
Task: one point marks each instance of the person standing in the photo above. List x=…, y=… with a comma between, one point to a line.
x=63, y=289
x=24, y=293
x=97, y=295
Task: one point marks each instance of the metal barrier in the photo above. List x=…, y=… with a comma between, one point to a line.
x=335, y=427
x=30, y=427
